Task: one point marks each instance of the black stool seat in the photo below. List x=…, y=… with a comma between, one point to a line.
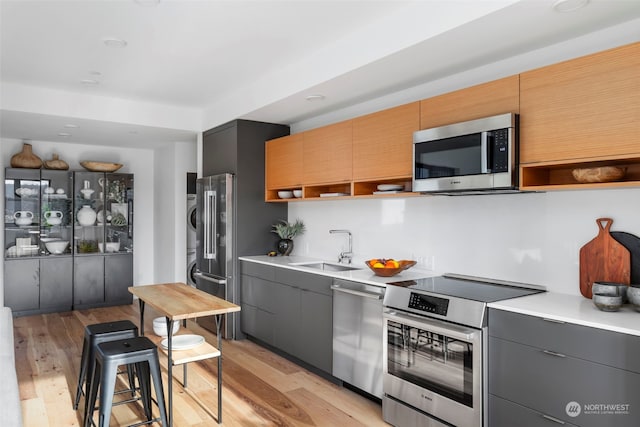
x=94, y=335
x=140, y=352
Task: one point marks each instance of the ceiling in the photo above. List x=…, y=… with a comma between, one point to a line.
x=254, y=59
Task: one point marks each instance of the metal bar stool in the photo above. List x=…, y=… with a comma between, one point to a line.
x=140, y=352
x=94, y=335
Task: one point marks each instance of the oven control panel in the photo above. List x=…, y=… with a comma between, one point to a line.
x=429, y=303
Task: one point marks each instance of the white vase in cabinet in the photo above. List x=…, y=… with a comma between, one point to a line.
x=86, y=215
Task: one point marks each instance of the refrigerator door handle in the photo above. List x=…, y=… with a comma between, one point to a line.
x=210, y=225
x=211, y=279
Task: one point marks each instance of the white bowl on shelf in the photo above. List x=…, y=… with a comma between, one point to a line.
x=285, y=194
x=109, y=247
x=160, y=326
x=57, y=246
x=297, y=193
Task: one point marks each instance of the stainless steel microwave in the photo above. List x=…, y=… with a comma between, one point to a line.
x=469, y=157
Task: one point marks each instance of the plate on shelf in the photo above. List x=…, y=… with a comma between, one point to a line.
x=388, y=192
x=390, y=187
x=183, y=342
x=333, y=194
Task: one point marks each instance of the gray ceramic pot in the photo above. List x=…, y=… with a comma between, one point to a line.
x=633, y=293
x=607, y=302
x=611, y=288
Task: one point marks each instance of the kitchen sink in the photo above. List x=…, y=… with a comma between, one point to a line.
x=326, y=266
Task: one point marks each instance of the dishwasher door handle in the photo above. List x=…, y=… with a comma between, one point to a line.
x=371, y=295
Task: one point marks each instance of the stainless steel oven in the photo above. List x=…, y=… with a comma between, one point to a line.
x=435, y=345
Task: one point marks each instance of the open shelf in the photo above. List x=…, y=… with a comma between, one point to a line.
x=555, y=176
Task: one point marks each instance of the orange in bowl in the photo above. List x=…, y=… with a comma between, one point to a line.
x=388, y=267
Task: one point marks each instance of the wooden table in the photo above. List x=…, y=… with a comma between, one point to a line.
x=178, y=301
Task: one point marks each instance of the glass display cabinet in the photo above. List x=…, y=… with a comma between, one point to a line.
x=103, y=239
x=68, y=239
x=38, y=268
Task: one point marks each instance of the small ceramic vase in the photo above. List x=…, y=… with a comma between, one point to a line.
x=26, y=158
x=86, y=216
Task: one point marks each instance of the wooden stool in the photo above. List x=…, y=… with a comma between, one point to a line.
x=140, y=352
x=94, y=335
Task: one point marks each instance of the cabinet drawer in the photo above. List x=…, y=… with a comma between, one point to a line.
x=503, y=413
x=309, y=281
x=262, y=271
x=259, y=293
x=257, y=323
x=597, y=345
x=547, y=383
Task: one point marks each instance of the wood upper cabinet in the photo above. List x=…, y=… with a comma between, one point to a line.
x=327, y=154
x=582, y=110
x=383, y=143
x=483, y=100
x=283, y=157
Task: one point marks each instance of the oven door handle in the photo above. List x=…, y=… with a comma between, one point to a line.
x=436, y=326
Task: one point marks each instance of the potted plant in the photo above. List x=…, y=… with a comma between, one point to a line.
x=287, y=231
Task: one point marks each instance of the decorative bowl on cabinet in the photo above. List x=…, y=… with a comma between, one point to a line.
x=601, y=174
x=93, y=166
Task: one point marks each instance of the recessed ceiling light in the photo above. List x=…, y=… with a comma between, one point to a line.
x=89, y=82
x=70, y=126
x=114, y=42
x=569, y=5
x=314, y=98
x=64, y=134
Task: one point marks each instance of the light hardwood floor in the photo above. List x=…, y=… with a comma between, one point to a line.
x=260, y=388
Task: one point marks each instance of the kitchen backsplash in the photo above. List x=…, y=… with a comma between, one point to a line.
x=530, y=237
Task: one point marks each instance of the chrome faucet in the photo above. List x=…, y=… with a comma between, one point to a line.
x=345, y=255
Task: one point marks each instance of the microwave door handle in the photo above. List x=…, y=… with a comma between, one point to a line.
x=210, y=226
x=484, y=152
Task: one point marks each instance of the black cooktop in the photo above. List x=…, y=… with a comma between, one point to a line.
x=467, y=288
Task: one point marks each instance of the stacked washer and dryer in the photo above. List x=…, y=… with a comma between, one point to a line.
x=191, y=239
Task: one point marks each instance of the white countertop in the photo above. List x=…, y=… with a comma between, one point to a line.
x=574, y=309
x=363, y=275
x=551, y=305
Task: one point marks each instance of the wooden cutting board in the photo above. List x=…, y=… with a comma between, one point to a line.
x=603, y=259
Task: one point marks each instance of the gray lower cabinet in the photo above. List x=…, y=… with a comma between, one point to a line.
x=118, y=277
x=88, y=281
x=22, y=285
x=538, y=370
x=289, y=310
x=506, y=413
x=102, y=280
x=56, y=284
x=38, y=285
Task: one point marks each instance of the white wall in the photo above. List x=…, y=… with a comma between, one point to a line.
x=152, y=199
x=171, y=166
x=531, y=238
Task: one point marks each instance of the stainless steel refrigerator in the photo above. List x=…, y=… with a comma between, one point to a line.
x=215, y=243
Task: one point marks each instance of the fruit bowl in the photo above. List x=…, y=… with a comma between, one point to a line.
x=389, y=266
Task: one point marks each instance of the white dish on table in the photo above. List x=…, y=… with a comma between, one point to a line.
x=390, y=187
x=183, y=342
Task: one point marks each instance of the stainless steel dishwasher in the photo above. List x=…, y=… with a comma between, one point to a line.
x=358, y=335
